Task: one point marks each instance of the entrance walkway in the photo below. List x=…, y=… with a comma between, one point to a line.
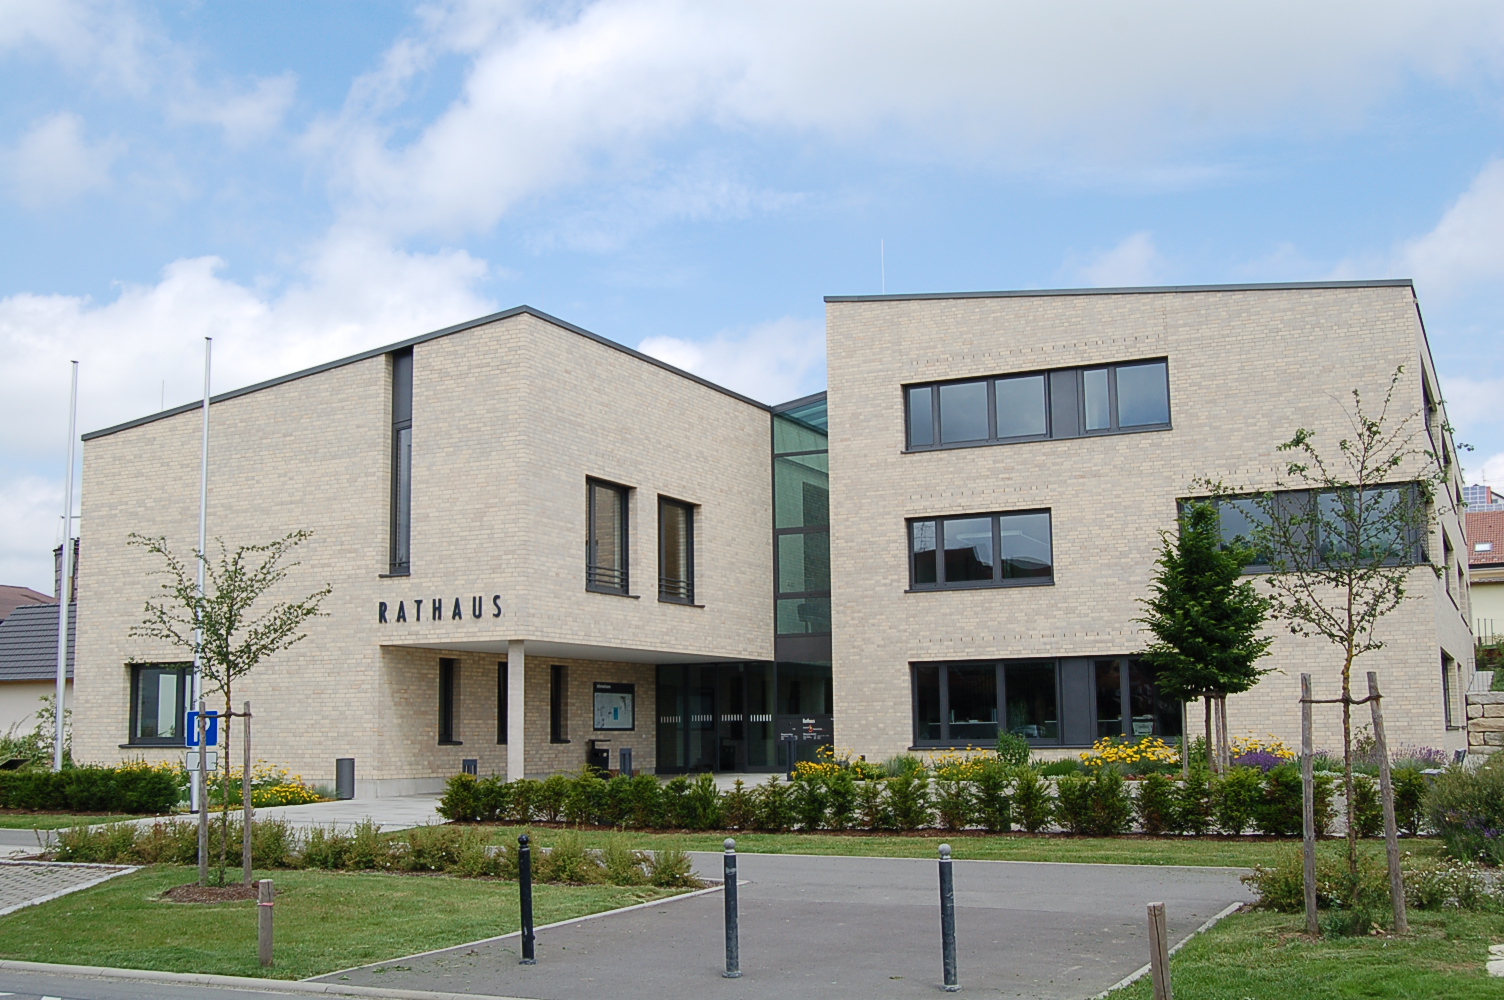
x=396, y=813
x=836, y=927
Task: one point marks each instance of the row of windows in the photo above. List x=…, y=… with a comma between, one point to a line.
x=1376, y=524
x=607, y=568
x=980, y=550
x=1068, y=402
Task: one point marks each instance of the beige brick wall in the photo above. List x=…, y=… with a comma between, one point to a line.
x=1246, y=369
x=509, y=420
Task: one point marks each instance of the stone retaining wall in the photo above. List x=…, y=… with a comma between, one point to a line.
x=1485, y=722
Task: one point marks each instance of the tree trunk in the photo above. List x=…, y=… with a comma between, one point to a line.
x=1225, y=749
x=1185, y=742
x=1211, y=760
x=224, y=798
x=1347, y=773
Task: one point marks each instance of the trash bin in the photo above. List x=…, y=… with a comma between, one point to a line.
x=624, y=761
x=344, y=778
x=598, y=757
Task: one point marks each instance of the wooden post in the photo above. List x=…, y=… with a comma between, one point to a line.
x=1185, y=742
x=264, y=899
x=245, y=803
x=1308, y=805
x=1391, y=828
x=1159, y=953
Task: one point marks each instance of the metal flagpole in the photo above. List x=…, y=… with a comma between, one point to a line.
x=65, y=585
x=198, y=632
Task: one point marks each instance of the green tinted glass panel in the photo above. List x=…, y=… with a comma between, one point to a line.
x=801, y=491
x=798, y=435
x=803, y=562
x=804, y=616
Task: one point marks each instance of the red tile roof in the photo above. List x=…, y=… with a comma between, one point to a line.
x=1485, y=527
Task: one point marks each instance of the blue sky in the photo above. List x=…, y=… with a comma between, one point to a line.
x=304, y=180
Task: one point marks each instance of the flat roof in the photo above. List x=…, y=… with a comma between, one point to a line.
x=1128, y=290
x=446, y=331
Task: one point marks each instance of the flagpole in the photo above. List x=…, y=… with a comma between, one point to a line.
x=65, y=585
x=198, y=630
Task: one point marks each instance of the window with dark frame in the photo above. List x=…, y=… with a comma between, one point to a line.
x=501, y=703
x=676, y=551
x=449, y=684
x=801, y=521
x=1119, y=398
x=1448, y=688
x=159, y=701
x=402, y=463
x=1009, y=549
x=960, y=704
x=558, y=704
x=1239, y=517
x=606, y=538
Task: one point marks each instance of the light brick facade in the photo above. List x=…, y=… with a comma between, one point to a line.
x=1247, y=367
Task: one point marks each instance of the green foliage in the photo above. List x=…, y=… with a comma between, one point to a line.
x=1409, y=798
x=1206, y=618
x=622, y=865
x=672, y=868
x=552, y=794
x=645, y=802
x=1033, y=807
x=526, y=794
x=1060, y=768
x=840, y=799
x=1235, y=798
x=808, y=800
x=1193, y=803
x=993, y=807
x=740, y=807
x=909, y=800
x=1466, y=809
x=1155, y=804
x=704, y=804
x=774, y=806
x=90, y=789
x=1012, y=749
x=586, y=801
x=1280, y=810
x=1368, y=807
x=1094, y=804
x=955, y=803
x=904, y=763
x=460, y=802
x=1454, y=885
x=1281, y=886
x=677, y=810
x=872, y=805
x=568, y=861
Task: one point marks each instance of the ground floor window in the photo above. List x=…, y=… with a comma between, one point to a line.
x=159, y=699
x=754, y=716
x=449, y=692
x=1049, y=702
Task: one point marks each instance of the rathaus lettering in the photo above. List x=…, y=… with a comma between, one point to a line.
x=438, y=609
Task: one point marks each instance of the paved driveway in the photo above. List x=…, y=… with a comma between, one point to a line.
x=848, y=927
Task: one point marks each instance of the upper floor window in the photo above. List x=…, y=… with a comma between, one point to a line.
x=1328, y=527
x=159, y=699
x=402, y=463
x=606, y=542
x=676, y=551
x=1067, y=402
x=980, y=550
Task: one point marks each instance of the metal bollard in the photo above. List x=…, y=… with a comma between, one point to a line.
x=733, y=943
x=264, y=901
x=525, y=895
x=948, y=920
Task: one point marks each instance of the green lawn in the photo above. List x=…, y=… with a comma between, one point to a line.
x=11, y=819
x=1198, y=851
x=1263, y=956
x=325, y=921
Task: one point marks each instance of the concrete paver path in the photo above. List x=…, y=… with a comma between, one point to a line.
x=23, y=883
x=837, y=927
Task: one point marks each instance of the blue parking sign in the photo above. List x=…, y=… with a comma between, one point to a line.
x=213, y=727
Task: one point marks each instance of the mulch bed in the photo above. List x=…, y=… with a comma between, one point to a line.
x=195, y=893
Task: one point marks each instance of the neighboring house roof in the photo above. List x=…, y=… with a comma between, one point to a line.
x=1485, y=530
x=12, y=598
x=28, y=643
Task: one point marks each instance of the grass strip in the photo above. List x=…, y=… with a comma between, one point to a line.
x=18, y=820
x=1265, y=956
x=324, y=921
x=1234, y=852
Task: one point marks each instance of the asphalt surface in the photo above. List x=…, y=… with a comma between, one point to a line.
x=28, y=985
x=837, y=928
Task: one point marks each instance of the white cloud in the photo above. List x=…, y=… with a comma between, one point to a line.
x=54, y=162
x=773, y=362
x=556, y=95
x=98, y=38
x=32, y=524
x=1135, y=261
x=1467, y=245
x=246, y=116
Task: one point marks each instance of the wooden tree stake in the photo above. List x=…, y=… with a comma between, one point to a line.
x=245, y=802
x=264, y=900
x=1308, y=805
x=1159, y=953
x=1386, y=792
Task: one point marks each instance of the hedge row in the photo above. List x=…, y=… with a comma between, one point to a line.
x=997, y=799
x=90, y=789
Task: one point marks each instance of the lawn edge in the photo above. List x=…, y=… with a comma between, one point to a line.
x=990, y=861
x=1143, y=971
x=237, y=982
x=518, y=933
x=115, y=871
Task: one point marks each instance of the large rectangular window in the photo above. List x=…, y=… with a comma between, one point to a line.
x=1350, y=527
x=402, y=463
x=959, y=704
x=558, y=704
x=801, y=521
x=1062, y=403
x=1131, y=682
x=449, y=692
x=676, y=551
x=981, y=550
x=606, y=542
x=159, y=696
x=501, y=703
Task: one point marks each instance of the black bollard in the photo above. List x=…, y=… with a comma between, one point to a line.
x=525, y=895
x=733, y=944
x=948, y=920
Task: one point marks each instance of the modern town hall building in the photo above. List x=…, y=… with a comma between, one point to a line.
x=547, y=549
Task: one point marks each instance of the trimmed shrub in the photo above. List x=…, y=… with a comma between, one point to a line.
x=909, y=800
x=1368, y=806
x=1032, y=804
x=526, y=792
x=676, y=811
x=616, y=803
x=955, y=804
x=1409, y=798
x=807, y=799
x=872, y=805
x=740, y=808
x=774, y=808
x=460, y=802
x=1193, y=803
x=840, y=799
x=1155, y=804
x=1236, y=796
x=90, y=789
x=586, y=800
x=1279, y=812
x=1096, y=805
x=645, y=802
x=993, y=808
x=1466, y=809
x=552, y=793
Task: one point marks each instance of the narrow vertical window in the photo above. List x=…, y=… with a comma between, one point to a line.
x=449, y=684
x=676, y=551
x=921, y=417
x=402, y=462
x=606, y=542
x=1097, y=399
x=558, y=704
x=501, y=703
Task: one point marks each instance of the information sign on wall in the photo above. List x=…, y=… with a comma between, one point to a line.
x=614, y=705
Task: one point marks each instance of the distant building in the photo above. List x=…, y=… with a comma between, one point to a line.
x=12, y=598
x=1485, y=558
x=28, y=647
x=1482, y=498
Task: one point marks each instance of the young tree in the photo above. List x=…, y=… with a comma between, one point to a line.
x=1205, y=617
x=1343, y=536
x=219, y=627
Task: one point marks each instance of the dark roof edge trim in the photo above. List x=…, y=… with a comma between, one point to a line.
x=1130, y=290
x=446, y=331
x=794, y=404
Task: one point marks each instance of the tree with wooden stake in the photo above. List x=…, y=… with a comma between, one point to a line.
x=1206, y=620
x=219, y=626
x=1342, y=535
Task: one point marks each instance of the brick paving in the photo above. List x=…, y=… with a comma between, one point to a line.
x=23, y=883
